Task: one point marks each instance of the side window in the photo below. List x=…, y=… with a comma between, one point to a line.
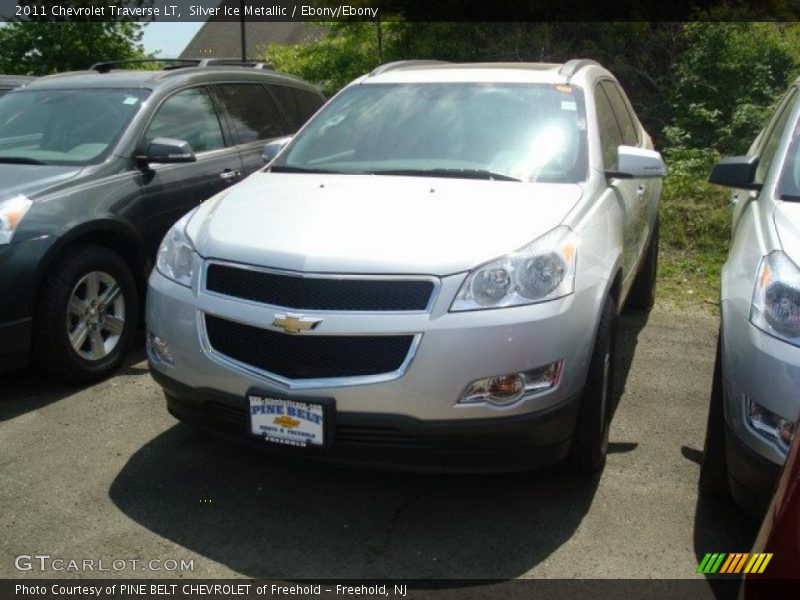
x=307, y=104
x=299, y=104
x=627, y=124
x=190, y=116
x=773, y=138
x=610, y=134
x=254, y=113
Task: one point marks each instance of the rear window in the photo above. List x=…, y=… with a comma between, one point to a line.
x=254, y=113
x=298, y=104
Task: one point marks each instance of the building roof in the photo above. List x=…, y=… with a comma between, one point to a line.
x=217, y=39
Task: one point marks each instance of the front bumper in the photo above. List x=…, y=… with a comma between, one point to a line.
x=766, y=370
x=395, y=441
x=751, y=477
x=16, y=344
x=762, y=368
x=20, y=267
x=419, y=404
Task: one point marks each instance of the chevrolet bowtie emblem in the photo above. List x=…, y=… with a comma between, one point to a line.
x=285, y=421
x=295, y=324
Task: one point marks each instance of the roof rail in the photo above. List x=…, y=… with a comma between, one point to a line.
x=173, y=63
x=571, y=67
x=181, y=63
x=399, y=64
x=235, y=62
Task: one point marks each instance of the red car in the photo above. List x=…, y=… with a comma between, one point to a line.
x=779, y=536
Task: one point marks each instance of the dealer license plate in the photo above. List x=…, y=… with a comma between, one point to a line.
x=288, y=422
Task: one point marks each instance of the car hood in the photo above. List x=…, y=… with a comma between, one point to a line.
x=787, y=222
x=29, y=179
x=375, y=223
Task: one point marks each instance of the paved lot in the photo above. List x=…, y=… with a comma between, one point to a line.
x=105, y=472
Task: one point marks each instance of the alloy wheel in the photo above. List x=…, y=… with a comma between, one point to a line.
x=95, y=315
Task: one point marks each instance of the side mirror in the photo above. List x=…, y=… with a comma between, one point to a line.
x=638, y=163
x=736, y=172
x=169, y=150
x=273, y=148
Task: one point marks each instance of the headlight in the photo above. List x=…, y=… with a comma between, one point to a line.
x=776, y=299
x=542, y=270
x=11, y=213
x=774, y=428
x=176, y=253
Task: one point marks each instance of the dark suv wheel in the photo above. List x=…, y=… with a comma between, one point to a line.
x=590, y=440
x=643, y=292
x=87, y=315
x=714, y=468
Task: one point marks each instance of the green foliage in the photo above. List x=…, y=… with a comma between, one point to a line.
x=695, y=228
x=727, y=82
x=40, y=47
x=343, y=52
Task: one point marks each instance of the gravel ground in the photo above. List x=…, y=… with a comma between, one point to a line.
x=106, y=473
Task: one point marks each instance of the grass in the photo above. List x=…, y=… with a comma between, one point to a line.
x=695, y=233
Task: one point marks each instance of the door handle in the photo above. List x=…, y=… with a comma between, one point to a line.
x=640, y=191
x=229, y=174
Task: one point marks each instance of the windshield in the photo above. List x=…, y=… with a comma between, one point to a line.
x=64, y=127
x=504, y=131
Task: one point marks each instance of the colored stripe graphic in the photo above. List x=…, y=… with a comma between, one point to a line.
x=702, y=567
x=711, y=562
x=741, y=563
x=720, y=562
x=728, y=563
x=758, y=563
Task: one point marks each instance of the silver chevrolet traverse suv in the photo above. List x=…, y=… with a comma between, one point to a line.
x=427, y=276
x=755, y=400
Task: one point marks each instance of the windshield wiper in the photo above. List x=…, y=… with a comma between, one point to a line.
x=20, y=160
x=288, y=169
x=454, y=173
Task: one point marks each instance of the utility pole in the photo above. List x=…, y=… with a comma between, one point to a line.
x=243, y=33
x=380, y=40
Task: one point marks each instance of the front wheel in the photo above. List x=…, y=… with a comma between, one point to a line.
x=643, y=291
x=714, y=468
x=87, y=315
x=590, y=440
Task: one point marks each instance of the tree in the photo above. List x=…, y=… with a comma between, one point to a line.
x=640, y=54
x=727, y=82
x=40, y=47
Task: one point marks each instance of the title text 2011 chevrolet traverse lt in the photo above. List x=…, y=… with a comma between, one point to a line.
x=95, y=167
x=427, y=276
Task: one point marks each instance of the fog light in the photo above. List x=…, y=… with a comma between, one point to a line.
x=766, y=423
x=159, y=350
x=502, y=390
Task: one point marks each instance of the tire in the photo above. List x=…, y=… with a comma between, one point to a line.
x=101, y=333
x=643, y=292
x=590, y=439
x=714, y=467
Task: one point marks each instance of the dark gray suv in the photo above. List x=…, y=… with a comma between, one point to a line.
x=10, y=82
x=95, y=167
